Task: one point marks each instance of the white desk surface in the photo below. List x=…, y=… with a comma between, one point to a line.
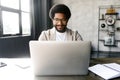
x=20, y=69
x=16, y=69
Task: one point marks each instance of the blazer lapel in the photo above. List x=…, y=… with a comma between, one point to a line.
x=53, y=34
x=69, y=33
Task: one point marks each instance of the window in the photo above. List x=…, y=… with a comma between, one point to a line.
x=15, y=17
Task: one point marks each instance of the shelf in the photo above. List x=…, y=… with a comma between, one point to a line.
x=111, y=13
x=103, y=40
x=104, y=19
x=111, y=45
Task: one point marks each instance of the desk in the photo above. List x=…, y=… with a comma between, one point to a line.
x=15, y=72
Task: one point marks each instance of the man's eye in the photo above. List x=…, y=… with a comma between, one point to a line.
x=57, y=19
x=63, y=19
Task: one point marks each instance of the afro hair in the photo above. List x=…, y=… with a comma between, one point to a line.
x=60, y=8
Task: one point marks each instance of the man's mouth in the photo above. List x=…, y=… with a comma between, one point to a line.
x=60, y=28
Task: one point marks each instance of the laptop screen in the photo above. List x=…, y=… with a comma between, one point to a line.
x=60, y=57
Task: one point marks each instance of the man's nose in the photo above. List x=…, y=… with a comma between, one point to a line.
x=59, y=22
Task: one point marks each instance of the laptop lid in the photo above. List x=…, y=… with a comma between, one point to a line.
x=60, y=57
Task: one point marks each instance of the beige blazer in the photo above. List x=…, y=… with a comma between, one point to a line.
x=51, y=35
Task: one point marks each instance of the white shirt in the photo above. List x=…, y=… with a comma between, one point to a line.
x=61, y=36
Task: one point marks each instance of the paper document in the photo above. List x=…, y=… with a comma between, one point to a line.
x=106, y=71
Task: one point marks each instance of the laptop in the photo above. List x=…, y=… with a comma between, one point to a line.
x=60, y=57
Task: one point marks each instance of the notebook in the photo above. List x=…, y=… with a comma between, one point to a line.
x=106, y=71
x=60, y=57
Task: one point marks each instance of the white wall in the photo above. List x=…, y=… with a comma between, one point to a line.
x=85, y=17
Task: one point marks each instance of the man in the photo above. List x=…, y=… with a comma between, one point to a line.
x=60, y=15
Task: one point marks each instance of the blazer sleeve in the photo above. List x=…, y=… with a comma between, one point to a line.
x=78, y=36
x=42, y=36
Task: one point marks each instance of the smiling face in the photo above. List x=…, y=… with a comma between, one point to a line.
x=60, y=22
